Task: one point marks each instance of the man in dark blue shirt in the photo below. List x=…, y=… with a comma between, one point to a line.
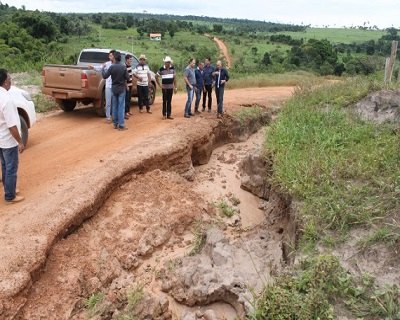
x=221, y=77
x=199, y=72
x=119, y=77
x=208, y=84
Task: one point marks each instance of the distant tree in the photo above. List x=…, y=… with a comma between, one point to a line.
x=266, y=60
x=370, y=48
x=217, y=28
x=129, y=21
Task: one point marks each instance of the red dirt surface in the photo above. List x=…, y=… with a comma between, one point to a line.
x=70, y=157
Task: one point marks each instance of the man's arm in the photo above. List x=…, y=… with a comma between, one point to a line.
x=15, y=133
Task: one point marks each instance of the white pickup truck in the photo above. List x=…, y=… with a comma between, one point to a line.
x=70, y=84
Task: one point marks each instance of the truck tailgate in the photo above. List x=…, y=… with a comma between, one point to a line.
x=63, y=77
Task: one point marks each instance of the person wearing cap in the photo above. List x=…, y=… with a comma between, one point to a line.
x=10, y=140
x=168, y=85
x=221, y=77
x=143, y=76
x=190, y=80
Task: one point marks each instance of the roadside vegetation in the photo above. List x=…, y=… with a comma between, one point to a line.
x=345, y=174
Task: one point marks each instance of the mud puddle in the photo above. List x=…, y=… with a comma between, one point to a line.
x=120, y=263
x=219, y=180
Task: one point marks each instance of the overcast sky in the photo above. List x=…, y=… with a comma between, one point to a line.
x=334, y=13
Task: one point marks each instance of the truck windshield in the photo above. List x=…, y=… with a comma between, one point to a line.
x=93, y=57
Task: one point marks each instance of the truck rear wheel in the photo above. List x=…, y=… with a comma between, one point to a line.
x=67, y=105
x=101, y=111
x=152, y=93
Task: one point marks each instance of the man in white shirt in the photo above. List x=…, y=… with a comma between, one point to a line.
x=10, y=140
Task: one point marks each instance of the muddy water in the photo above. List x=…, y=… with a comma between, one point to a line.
x=219, y=179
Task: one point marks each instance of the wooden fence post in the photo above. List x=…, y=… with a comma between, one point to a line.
x=390, y=63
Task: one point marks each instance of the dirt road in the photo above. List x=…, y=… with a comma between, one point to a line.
x=224, y=51
x=64, y=143
x=72, y=159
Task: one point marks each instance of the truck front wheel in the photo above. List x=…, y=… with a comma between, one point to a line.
x=67, y=105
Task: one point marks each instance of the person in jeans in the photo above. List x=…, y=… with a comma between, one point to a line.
x=119, y=76
x=221, y=77
x=199, y=73
x=208, y=84
x=190, y=81
x=128, y=94
x=143, y=76
x=10, y=140
x=108, y=84
x=168, y=86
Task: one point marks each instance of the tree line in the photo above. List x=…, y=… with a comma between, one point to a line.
x=28, y=39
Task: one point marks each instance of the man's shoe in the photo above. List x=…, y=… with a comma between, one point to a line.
x=115, y=126
x=16, y=199
x=170, y=118
x=149, y=111
x=187, y=116
x=122, y=128
x=219, y=116
x=197, y=111
x=204, y=109
x=191, y=114
x=164, y=117
x=141, y=110
x=209, y=110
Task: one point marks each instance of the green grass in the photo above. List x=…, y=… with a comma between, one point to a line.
x=247, y=114
x=337, y=35
x=92, y=303
x=317, y=286
x=43, y=103
x=199, y=235
x=344, y=171
x=135, y=295
x=181, y=47
x=226, y=209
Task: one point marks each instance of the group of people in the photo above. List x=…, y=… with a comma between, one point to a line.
x=118, y=87
x=199, y=80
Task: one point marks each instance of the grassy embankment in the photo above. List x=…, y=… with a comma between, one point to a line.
x=345, y=174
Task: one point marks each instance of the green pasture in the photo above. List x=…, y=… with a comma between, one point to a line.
x=337, y=35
